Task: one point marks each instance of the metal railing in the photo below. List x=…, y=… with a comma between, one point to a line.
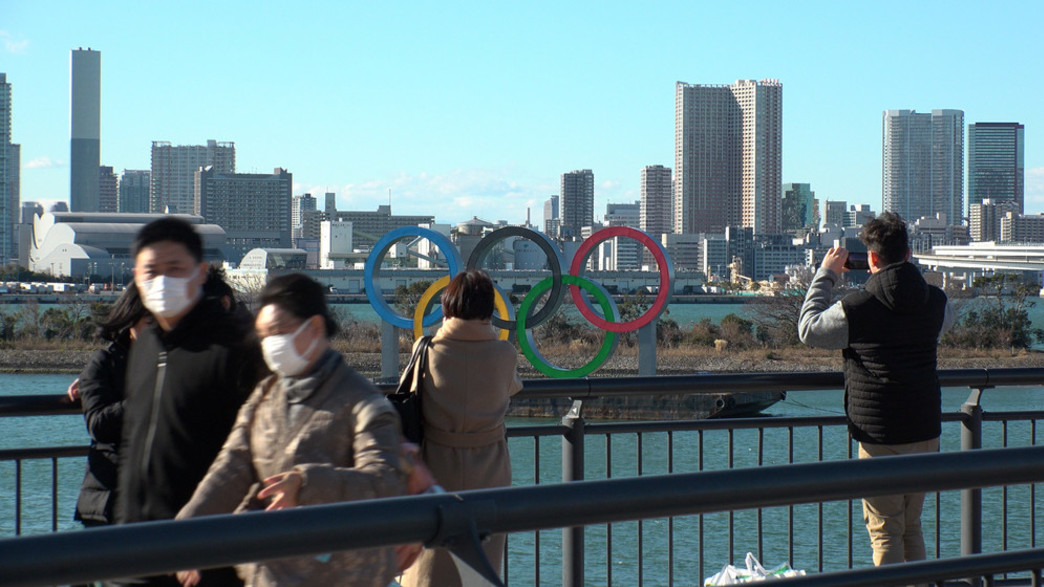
x=453, y=519
x=579, y=455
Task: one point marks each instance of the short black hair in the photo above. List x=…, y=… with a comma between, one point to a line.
x=887, y=237
x=126, y=312
x=469, y=296
x=217, y=287
x=171, y=229
x=299, y=295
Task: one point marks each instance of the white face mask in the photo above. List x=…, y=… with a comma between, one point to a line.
x=166, y=296
x=281, y=355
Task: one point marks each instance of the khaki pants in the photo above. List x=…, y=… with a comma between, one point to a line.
x=894, y=521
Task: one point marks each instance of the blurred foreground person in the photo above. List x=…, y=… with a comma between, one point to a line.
x=313, y=432
x=468, y=385
x=187, y=376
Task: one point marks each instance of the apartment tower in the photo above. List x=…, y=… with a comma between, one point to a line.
x=922, y=172
x=577, y=201
x=134, y=191
x=996, y=168
x=657, y=211
x=728, y=156
x=253, y=208
x=173, y=173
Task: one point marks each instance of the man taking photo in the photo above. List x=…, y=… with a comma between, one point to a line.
x=888, y=334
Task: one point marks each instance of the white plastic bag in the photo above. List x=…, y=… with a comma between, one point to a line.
x=731, y=575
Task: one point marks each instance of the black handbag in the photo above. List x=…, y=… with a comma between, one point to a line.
x=406, y=401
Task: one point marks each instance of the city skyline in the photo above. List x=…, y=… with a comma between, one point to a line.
x=478, y=110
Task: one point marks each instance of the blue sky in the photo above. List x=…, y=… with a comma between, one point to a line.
x=476, y=108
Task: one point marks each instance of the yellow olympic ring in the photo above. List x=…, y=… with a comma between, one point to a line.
x=499, y=304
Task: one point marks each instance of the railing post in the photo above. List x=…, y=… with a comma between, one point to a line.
x=971, y=499
x=389, y=351
x=573, y=470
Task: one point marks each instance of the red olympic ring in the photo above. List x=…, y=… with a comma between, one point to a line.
x=662, y=296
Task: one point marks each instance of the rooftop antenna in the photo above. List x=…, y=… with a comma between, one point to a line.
x=389, y=197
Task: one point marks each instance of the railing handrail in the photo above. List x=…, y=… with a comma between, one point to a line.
x=163, y=547
x=592, y=387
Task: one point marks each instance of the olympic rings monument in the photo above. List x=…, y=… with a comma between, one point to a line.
x=520, y=324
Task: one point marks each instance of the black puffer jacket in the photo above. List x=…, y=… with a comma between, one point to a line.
x=101, y=393
x=891, y=387
x=184, y=388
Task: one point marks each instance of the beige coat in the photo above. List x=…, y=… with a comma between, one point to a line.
x=343, y=439
x=470, y=379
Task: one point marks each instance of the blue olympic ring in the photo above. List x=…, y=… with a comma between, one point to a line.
x=376, y=257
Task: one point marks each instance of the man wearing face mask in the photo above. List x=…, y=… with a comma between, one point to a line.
x=187, y=376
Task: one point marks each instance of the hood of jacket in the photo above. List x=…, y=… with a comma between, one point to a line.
x=900, y=287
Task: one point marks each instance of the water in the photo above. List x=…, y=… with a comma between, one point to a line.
x=695, y=537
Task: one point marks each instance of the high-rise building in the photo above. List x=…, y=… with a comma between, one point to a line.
x=331, y=204
x=996, y=168
x=108, y=189
x=577, y=201
x=10, y=165
x=85, y=135
x=301, y=205
x=552, y=220
x=923, y=164
x=134, y=191
x=728, y=159
x=834, y=212
x=984, y=218
x=799, y=206
x=1022, y=228
x=174, y=168
x=14, y=199
x=656, y=214
x=253, y=208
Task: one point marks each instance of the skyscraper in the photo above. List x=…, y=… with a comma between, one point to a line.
x=728, y=156
x=923, y=164
x=85, y=135
x=799, y=208
x=173, y=172
x=996, y=168
x=331, y=204
x=577, y=201
x=656, y=209
x=134, y=191
x=107, y=189
x=10, y=162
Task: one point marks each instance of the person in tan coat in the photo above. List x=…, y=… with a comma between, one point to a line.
x=314, y=432
x=468, y=385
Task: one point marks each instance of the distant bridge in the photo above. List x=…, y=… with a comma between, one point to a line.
x=984, y=258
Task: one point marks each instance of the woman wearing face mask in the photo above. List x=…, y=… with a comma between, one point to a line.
x=313, y=432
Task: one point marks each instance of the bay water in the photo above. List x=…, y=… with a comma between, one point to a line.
x=807, y=536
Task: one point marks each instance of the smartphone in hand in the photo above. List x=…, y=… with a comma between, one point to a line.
x=857, y=262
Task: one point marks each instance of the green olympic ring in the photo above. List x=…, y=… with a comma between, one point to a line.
x=528, y=344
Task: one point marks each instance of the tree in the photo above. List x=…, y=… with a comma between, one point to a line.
x=1000, y=319
x=406, y=297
